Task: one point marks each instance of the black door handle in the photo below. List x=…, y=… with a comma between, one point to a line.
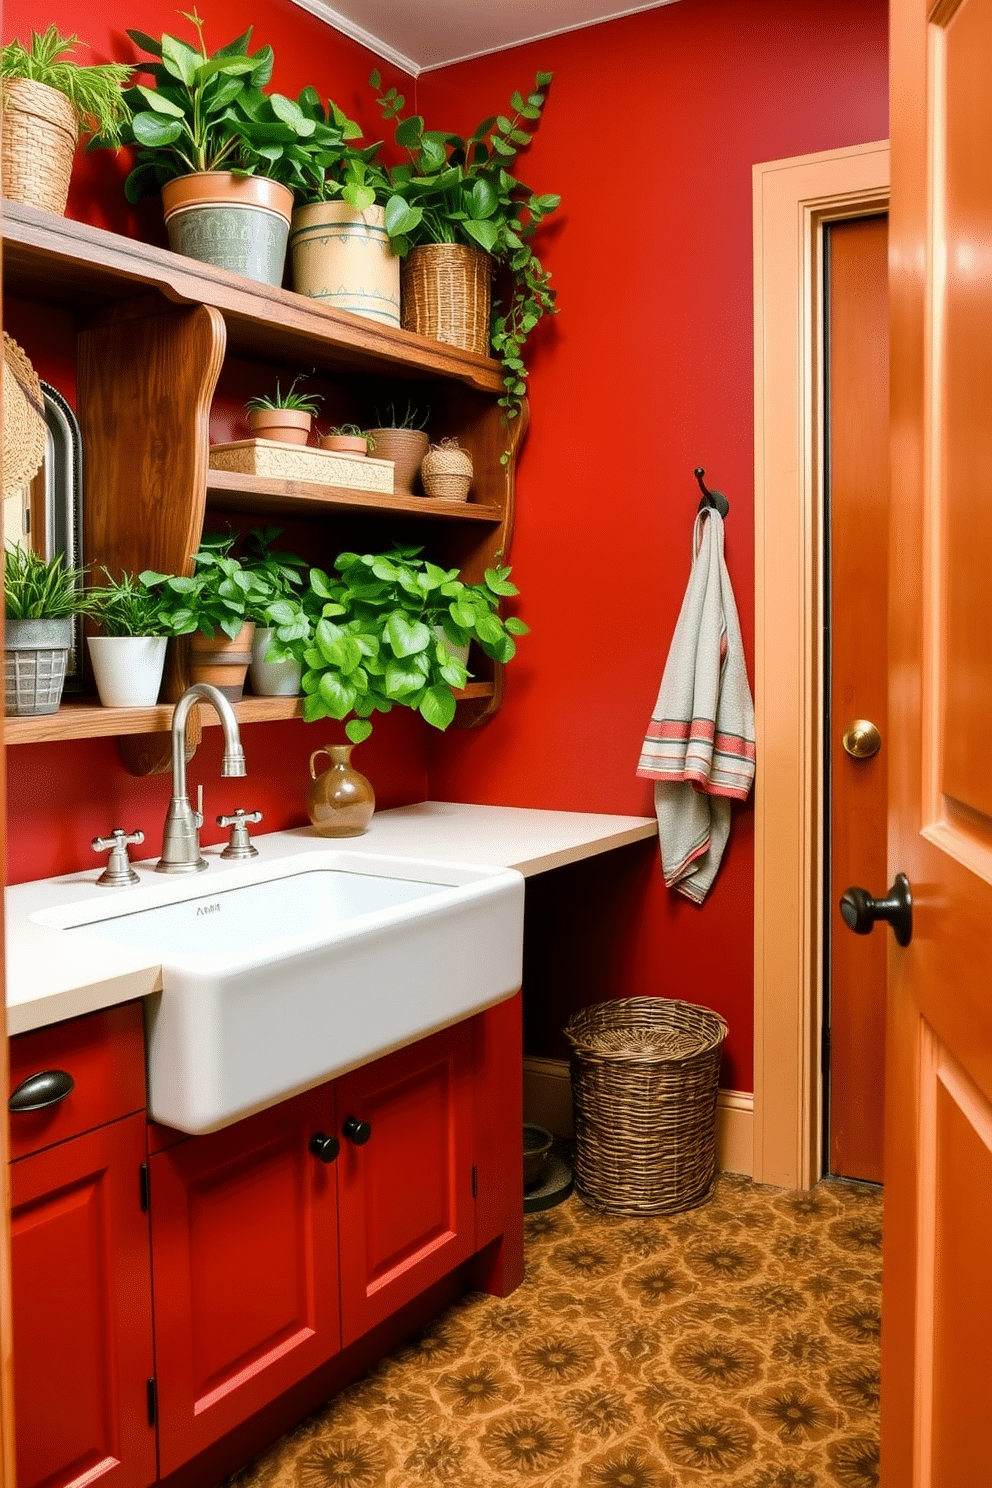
x=323, y=1147
x=859, y=910
x=41, y=1090
x=356, y=1131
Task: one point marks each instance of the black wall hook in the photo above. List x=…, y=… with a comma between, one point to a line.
x=714, y=499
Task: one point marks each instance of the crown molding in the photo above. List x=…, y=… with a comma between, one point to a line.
x=506, y=46
x=341, y=23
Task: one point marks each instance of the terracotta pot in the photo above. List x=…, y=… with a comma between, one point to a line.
x=285, y=425
x=340, y=802
x=222, y=661
x=406, y=448
x=239, y=223
x=349, y=444
x=343, y=258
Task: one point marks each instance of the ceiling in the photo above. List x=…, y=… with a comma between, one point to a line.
x=417, y=37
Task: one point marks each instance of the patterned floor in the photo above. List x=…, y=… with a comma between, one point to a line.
x=733, y=1344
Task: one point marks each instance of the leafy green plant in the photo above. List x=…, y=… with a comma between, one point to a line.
x=219, y=595
x=411, y=418
x=209, y=111
x=129, y=607
x=42, y=589
x=352, y=431
x=455, y=190
x=300, y=402
x=95, y=91
x=383, y=636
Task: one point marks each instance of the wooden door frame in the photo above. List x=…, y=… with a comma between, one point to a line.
x=793, y=200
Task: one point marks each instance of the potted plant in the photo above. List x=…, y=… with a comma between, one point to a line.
x=474, y=218
x=216, y=597
x=386, y=632
x=283, y=416
x=348, y=439
x=221, y=150
x=42, y=598
x=129, y=657
x=400, y=437
x=47, y=99
x=342, y=250
x=277, y=608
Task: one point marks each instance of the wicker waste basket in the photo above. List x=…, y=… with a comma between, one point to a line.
x=645, y=1072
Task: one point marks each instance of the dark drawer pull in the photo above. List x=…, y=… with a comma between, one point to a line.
x=39, y=1091
x=356, y=1131
x=324, y=1148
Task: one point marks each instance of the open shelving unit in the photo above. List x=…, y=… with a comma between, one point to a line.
x=152, y=332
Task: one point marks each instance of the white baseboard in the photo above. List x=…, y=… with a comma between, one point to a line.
x=548, y=1102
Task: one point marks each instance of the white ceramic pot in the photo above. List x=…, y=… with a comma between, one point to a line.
x=128, y=669
x=271, y=678
x=343, y=257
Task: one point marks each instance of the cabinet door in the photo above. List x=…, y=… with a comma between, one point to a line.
x=244, y=1240
x=82, y=1312
x=406, y=1189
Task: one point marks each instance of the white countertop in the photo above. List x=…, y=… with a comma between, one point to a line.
x=52, y=976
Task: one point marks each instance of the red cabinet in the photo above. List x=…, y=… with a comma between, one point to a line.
x=82, y=1312
x=244, y=1235
x=404, y=1175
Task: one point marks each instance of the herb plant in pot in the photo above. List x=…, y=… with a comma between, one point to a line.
x=129, y=657
x=284, y=416
x=222, y=151
x=41, y=600
x=475, y=218
x=281, y=620
x=47, y=98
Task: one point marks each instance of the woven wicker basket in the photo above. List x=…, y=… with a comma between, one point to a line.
x=645, y=1072
x=40, y=130
x=446, y=293
x=446, y=471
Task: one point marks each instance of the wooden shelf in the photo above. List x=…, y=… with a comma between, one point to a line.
x=231, y=491
x=58, y=260
x=87, y=720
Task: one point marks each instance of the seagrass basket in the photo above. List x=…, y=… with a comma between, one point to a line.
x=645, y=1073
x=40, y=130
x=446, y=293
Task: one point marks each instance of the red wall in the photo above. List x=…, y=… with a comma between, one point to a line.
x=651, y=129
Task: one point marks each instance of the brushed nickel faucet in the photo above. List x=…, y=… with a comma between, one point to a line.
x=181, y=838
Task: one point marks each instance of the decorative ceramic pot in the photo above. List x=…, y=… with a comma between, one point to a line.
x=271, y=678
x=406, y=448
x=343, y=258
x=340, y=802
x=239, y=223
x=285, y=425
x=38, y=141
x=128, y=669
x=222, y=661
x=35, y=657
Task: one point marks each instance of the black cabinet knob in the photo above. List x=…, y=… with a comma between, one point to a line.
x=324, y=1148
x=356, y=1131
x=41, y=1090
x=859, y=910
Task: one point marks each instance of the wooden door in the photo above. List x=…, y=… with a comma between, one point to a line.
x=244, y=1242
x=82, y=1313
x=858, y=560
x=405, y=1184
x=937, y=1301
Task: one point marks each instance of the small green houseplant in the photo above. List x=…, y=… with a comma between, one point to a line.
x=277, y=609
x=387, y=634
x=459, y=191
x=41, y=81
x=129, y=657
x=284, y=416
x=43, y=601
x=348, y=438
x=399, y=436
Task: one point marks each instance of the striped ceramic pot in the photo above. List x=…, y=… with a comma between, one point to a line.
x=221, y=660
x=343, y=258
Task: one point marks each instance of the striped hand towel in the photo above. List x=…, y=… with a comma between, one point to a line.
x=699, y=748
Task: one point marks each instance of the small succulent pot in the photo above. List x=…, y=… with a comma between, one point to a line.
x=128, y=669
x=239, y=223
x=221, y=660
x=346, y=444
x=340, y=801
x=446, y=471
x=284, y=425
x=271, y=678
x=406, y=448
x=36, y=653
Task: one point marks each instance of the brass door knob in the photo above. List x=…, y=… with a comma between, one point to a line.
x=861, y=739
